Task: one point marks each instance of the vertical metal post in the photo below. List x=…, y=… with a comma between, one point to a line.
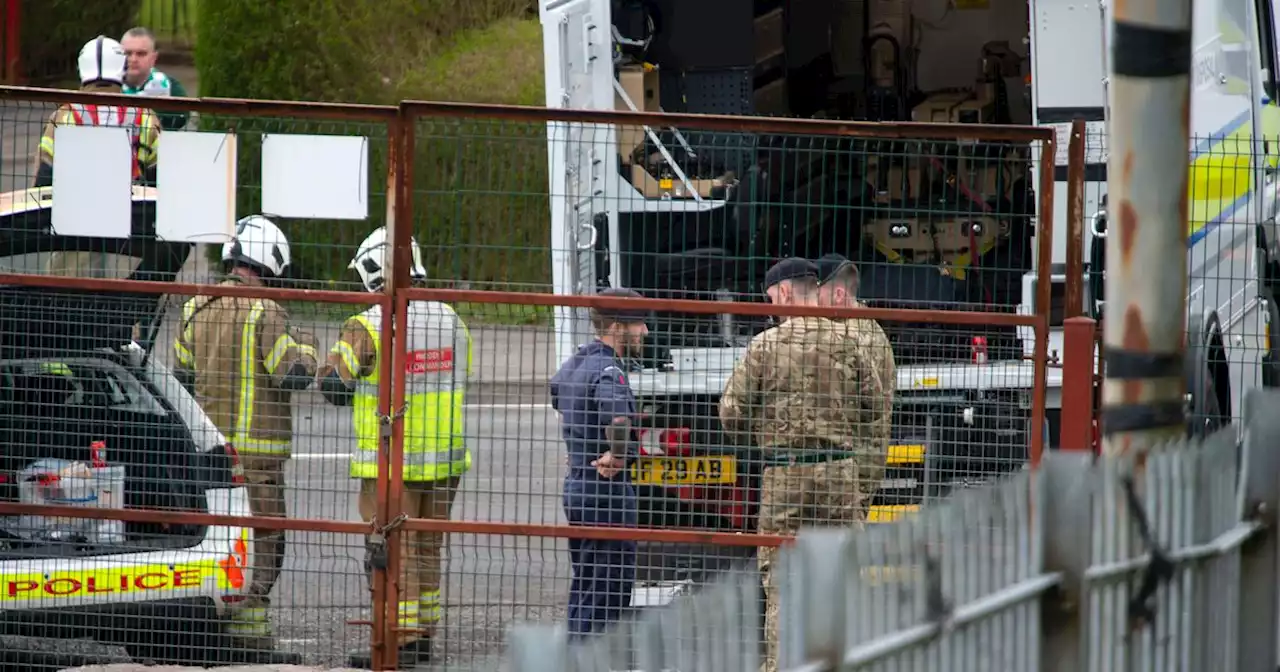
x=382, y=640
x=1044, y=285
x=1150, y=98
x=11, y=72
x=401, y=231
x=1076, y=425
x=1066, y=493
x=1075, y=221
x=1259, y=607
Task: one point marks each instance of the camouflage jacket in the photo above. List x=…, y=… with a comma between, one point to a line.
x=809, y=384
x=875, y=343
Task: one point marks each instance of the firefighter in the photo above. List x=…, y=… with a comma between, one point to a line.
x=243, y=361
x=597, y=412
x=438, y=363
x=806, y=393
x=102, y=63
x=102, y=69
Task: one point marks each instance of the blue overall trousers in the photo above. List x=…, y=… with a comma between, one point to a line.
x=589, y=391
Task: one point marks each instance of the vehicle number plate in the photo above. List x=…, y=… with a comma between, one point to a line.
x=685, y=470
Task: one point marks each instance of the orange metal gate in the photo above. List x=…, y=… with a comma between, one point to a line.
x=513, y=478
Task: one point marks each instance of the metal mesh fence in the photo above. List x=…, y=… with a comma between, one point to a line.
x=1123, y=563
x=1231, y=278
x=709, y=212
x=689, y=211
x=486, y=460
x=321, y=250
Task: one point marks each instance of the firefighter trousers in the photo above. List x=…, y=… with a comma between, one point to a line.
x=264, y=479
x=825, y=494
x=421, y=553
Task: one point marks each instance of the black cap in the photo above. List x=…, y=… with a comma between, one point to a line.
x=789, y=269
x=829, y=265
x=622, y=314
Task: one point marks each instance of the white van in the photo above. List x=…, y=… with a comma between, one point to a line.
x=692, y=214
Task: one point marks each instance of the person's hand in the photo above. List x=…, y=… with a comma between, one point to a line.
x=607, y=465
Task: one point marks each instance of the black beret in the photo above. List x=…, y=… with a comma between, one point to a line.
x=622, y=314
x=789, y=269
x=829, y=265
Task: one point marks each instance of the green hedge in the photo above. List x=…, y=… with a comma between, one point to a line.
x=481, y=203
x=480, y=206
x=54, y=30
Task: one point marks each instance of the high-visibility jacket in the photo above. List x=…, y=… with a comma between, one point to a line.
x=244, y=354
x=437, y=365
x=142, y=124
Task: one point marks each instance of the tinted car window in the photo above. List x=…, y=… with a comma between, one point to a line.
x=75, y=383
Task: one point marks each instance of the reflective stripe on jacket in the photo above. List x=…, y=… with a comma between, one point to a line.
x=143, y=127
x=437, y=364
x=241, y=350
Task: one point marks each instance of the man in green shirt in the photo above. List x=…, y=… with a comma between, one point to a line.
x=142, y=78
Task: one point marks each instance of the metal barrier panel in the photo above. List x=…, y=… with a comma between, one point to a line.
x=1182, y=505
x=1231, y=314
x=1161, y=562
x=964, y=577
x=715, y=630
x=700, y=487
x=227, y=548
x=237, y=543
x=938, y=220
x=701, y=491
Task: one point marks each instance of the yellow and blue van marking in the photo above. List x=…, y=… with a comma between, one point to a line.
x=1221, y=182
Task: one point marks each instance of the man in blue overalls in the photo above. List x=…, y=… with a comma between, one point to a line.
x=597, y=409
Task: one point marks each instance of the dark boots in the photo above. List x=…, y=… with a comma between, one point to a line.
x=412, y=654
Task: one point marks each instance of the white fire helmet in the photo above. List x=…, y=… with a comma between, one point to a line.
x=258, y=243
x=101, y=59
x=371, y=259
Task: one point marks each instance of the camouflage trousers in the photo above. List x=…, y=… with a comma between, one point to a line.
x=826, y=494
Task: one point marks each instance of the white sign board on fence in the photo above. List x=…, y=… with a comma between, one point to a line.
x=92, y=173
x=196, y=181
x=315, y=176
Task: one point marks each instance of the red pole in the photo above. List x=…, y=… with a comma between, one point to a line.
x=1077, y=383
x=11, y=69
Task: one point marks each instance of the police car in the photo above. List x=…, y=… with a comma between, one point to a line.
x=77, y=382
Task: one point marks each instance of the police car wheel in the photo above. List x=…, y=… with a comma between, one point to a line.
x=1205, y=415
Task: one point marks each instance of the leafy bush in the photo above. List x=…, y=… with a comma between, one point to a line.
x=56, y=29
x=480, y=203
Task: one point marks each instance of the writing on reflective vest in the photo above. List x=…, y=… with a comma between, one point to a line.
x=434, y=360
x=84, y=584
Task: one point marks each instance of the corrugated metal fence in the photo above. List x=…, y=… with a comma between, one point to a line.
x=1159, y=561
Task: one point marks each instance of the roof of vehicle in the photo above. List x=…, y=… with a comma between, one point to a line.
x=35, y=198
x=36, y=319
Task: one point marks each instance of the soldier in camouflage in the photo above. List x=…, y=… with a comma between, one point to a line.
x=809, y=395
x=838, y=288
